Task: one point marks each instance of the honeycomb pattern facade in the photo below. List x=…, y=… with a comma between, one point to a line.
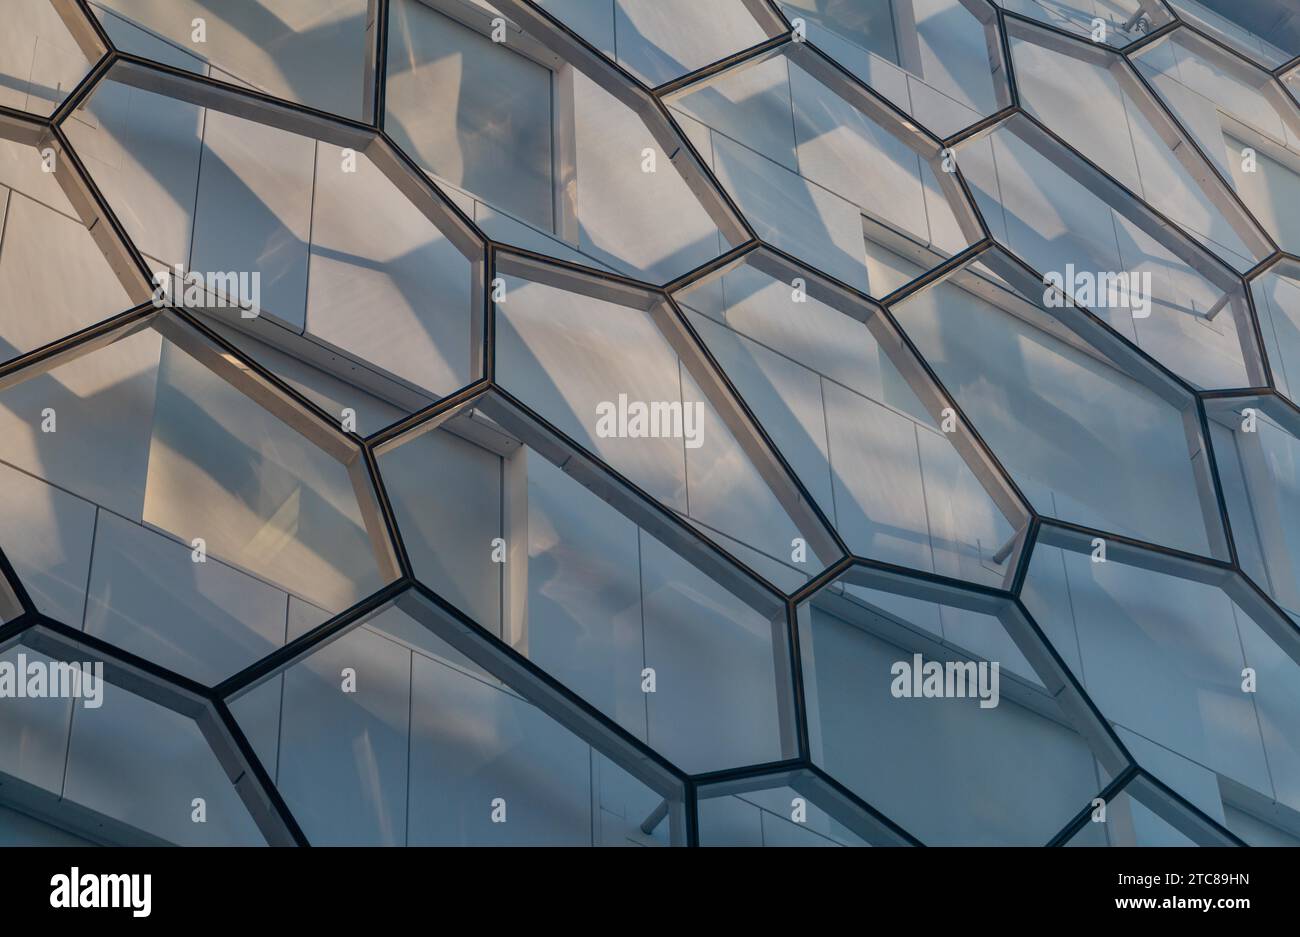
x=373, y=554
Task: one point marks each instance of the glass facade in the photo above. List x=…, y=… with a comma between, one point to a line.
x=650, y=422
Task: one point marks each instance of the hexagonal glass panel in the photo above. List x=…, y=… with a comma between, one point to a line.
x=859, y=419
x=1113, y=255
x=1078, y=90
x=787, y=136
x=611, y=594
x=1240, y=117
x=1071, y=411
x=544, y=154
x=924, y=702
x=338, y=263
x=1197, y=674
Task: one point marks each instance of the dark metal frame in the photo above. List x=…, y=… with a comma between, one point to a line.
x=209, y=706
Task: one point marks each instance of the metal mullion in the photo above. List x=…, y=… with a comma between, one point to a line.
x=850, y=810
x=745, y=427
x=708, y=74
x=21, y=127
x=698, y=176
x=187, y=698
x=980, y=128
x=203, y=91
x=1117, y=196
x=1268, y=616
x=720, y=265
x=427, y=196
x=769, y=16
x=1076, y=706
x=862, y=97
x=915, y=370
x=249, y=777
x=84, y=27
x=84, y=90
x=61, y=351
x=127, y=671
x=1008, y=89
x=925, y=586
x=306, y=644
x=254, y=381
x=376, y=66
x=12, y=582
x=1137, y=45
x=108, y=233
x=1178, y=812
x=425, y=419
x=575, y=278
x=1084, y=816
x=1096, y=332
x=1239, y=216
x=1144, y=554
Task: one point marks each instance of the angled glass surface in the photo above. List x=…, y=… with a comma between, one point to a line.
x=1113, y=22
x=386, y=735
x=113, y=766
x=646, y=400
x=177, y=513
x=1276, y=293
x=1162, y=291
x=938, y=60
x=1266, y=31
x=43, y=237
x=1095, y=101
x=40, y=59
x=859, y=420
x=1197, y=674
x=787, y=136
x=1139, y=814
x=1241, y=118
x=1257, y=452
x=979, y=751
x=1070, y=410
x=392, y=300
x=614, y=597
x=546, y=155
x=658, y=41
x=789, y=810
x=302, y=51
